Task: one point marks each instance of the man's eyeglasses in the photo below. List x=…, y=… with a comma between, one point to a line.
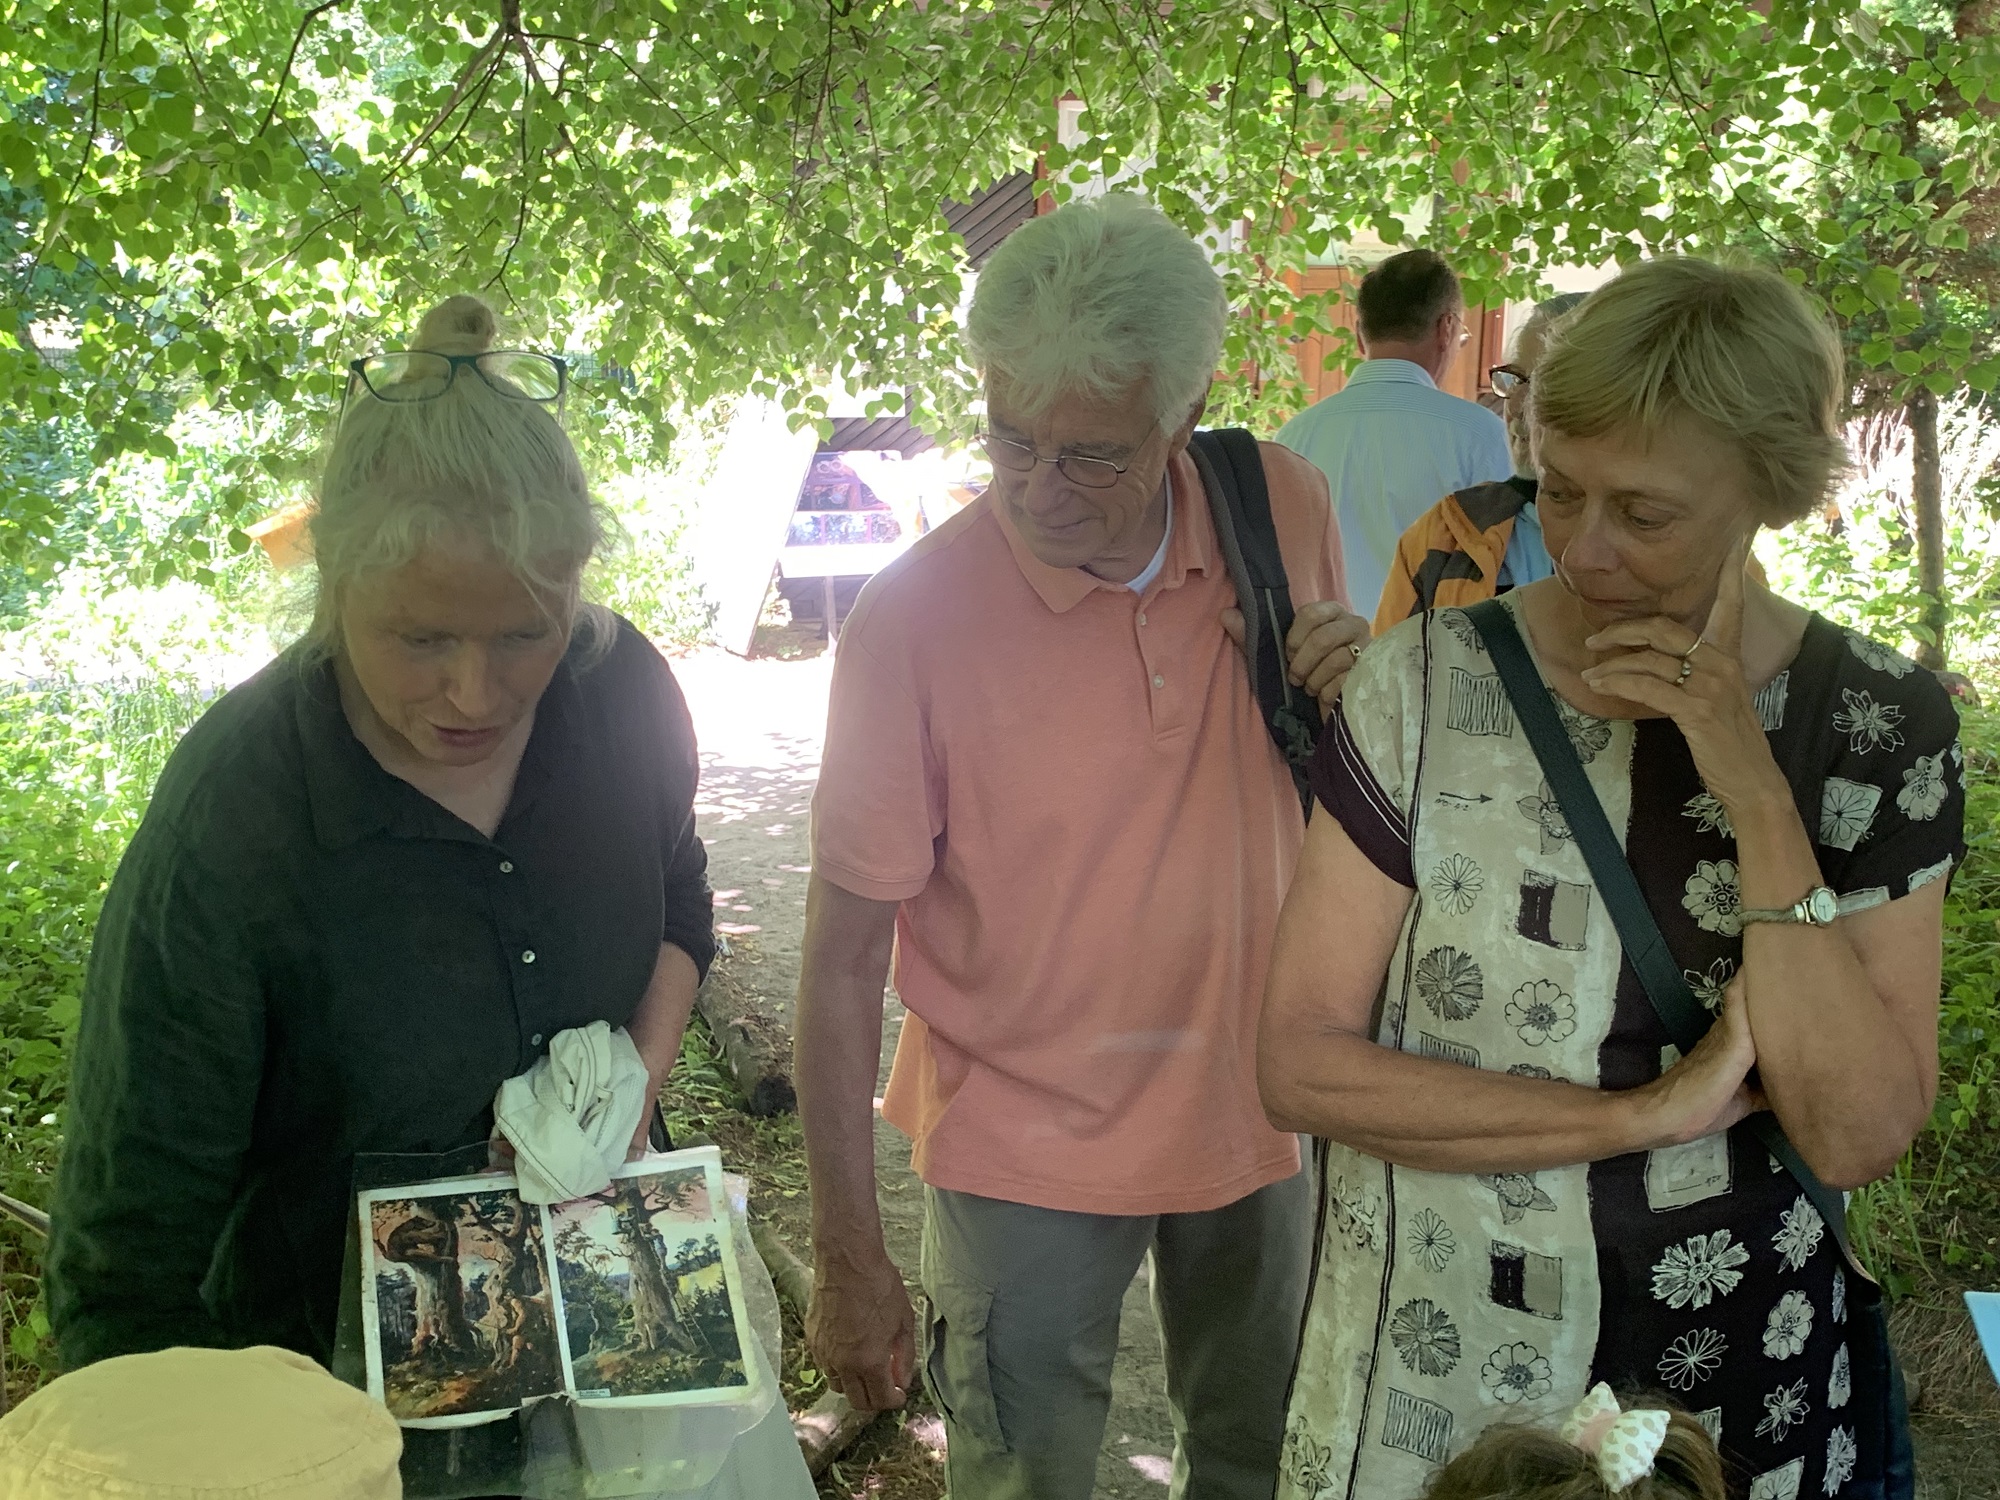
x=1020, y=458
x=1506, y=379
x=420, y=375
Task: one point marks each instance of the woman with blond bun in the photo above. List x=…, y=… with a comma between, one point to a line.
x=377, y=879
x=1613, y=952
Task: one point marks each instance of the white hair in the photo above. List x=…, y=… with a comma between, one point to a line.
x=1094, y=299
x=469, y=464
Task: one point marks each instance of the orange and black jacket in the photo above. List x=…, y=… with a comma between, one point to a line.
x=1452, y=555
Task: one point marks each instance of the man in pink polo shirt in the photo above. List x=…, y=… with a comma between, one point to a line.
x=1047, y=785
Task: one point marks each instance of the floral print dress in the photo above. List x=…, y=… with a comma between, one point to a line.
x=1442, y=1303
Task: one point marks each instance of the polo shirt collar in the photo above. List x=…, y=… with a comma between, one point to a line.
x=1390, y=372
x=1189, y=544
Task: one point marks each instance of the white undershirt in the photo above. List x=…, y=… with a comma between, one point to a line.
x=1152, y=570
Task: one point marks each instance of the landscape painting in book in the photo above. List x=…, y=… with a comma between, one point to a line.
x=463, y=1322
x=645, y=1296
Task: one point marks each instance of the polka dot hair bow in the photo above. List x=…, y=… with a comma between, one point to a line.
x=1624, y=1443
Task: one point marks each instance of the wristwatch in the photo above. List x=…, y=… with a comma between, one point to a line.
x=1817, y=908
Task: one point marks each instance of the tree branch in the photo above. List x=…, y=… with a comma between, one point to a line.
x=285, y=73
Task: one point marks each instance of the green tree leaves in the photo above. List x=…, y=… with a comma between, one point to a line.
x=220, y=201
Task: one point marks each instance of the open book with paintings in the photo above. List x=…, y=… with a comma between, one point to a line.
x=475, y=1303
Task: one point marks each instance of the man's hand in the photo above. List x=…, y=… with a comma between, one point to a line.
x=1325, y=641
x=862, y=1329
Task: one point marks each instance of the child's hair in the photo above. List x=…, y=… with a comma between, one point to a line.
x=1517, y=1462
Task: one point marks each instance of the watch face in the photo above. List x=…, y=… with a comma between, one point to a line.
x=1822, y=906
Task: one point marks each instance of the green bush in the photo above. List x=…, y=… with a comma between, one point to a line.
x=76, y=766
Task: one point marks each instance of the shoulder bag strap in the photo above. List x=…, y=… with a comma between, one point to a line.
x=1645, y=948
x=1232, y=472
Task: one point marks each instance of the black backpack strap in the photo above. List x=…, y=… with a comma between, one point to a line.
x=1232, y=472
x=1645, y=947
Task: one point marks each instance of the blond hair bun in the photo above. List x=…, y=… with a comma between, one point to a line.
x=457, y=325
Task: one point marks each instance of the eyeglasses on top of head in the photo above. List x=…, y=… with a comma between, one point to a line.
x=1077, y=468
x=1506, y=379
x=405, y=375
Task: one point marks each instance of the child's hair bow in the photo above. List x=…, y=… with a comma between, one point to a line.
x=1624, y=1443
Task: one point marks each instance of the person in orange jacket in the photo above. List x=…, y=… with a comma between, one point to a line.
x=1484, y=540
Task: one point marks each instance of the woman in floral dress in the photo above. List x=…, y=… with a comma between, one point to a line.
x=1525, y=1188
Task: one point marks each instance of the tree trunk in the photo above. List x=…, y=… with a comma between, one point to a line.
x=1927, y=493
x=656, y=1321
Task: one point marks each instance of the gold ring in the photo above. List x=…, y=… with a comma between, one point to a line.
x=1687, y=671
x=1355, y=649
x=1698, y=644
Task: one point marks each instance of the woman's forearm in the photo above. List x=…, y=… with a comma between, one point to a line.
x=1841, y=1070
x=1439, y=1116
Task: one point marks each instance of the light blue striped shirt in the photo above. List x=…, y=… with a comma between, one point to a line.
x=1392, y=445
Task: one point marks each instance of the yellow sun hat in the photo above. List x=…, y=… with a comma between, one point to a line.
x=200, y=1424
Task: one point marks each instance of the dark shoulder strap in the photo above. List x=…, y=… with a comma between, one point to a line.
x=1645, y=947
x=1232, y=472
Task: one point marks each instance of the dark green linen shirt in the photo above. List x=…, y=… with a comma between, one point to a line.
x=304, y=959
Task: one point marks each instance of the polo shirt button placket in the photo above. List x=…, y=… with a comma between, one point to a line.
x=1159, y=681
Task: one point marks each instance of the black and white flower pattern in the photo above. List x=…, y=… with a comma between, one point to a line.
x=1450, y=984
x=1546, y=814
x=1711, y=986
x=1867, y=724
x=1540, y=1012
x=1456, y=883
x=1924, y=790
x=1880, y=657
x=1699, y=1269
x=1841, y=1453
x=1709, y=814
x=1588, y=736
x=1839, y=1309
x=1425, y=1337
x=1840, y=1384
x=1800, y=1230
x=1518, y=1194
x=1789, y=1326
x=1784, y=1409
x=1530, y=1070
x=1516, y=1373
x=1713, y=897
x=1846, y=811
x=1692, y=1358
x=1459, y=623
x=1311, y=1461
x=1432, y=1244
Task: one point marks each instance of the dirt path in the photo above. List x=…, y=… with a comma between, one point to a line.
x=759, y=725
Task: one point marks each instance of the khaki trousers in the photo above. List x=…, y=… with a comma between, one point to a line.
x=1020, y=1327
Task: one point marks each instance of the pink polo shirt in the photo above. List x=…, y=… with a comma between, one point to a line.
x=1070, y=791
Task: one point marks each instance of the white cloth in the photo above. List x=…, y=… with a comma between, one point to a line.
x=572, y=1116
x=1392, y=445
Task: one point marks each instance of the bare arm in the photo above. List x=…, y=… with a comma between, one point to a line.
x=1319, y=1070
x=656, y=1026
x=862, y=1327
x=1845, y=1017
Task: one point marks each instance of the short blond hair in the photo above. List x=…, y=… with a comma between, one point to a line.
x=470, y=464
x=1738, y=348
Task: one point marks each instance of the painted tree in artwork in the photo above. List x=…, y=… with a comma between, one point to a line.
x=656, y=1311
x=426, y=1243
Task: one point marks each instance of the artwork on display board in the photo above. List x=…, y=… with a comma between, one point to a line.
x=475, y=1303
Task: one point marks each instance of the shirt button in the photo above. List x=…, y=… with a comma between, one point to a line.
x=506, y=867
x=1142, y=619
x=535, y=1040
x=1159, y=681
x=528, y=956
